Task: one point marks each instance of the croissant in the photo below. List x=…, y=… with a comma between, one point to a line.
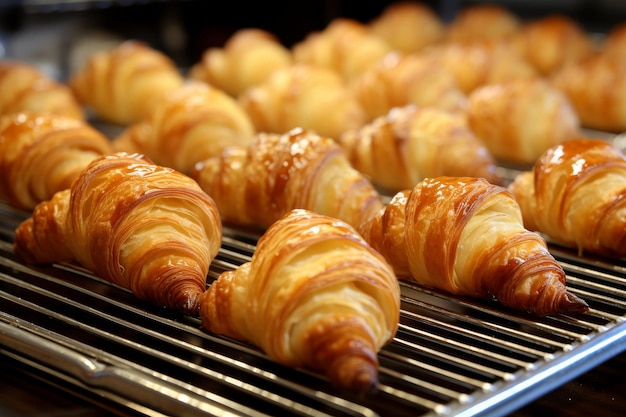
x=144, y=227
x=345, y=46
x=519, y=120
x=614, y=44
x=465, y=236
x=122, y=84
x=41, y=154
x=575, y=195
x=398, y=80
x=482, y=22
x=551, y=42
x=249, y=56
x=314, y=295
x=408, y=26
x=596, y=87
x=258, y=184
x=409, y=144
x=25, y=88
x=189, y=124
x=303, y=96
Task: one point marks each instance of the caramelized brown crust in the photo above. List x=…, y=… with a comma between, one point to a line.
x=465, y=236
x=25, y=88
x=314, y=295
x=122, y=84
x=41, y=154
x=144, y=227
x=410, y=144
x=576, y=194
x=277, y=173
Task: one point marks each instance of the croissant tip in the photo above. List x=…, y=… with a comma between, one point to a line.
x=571, y=303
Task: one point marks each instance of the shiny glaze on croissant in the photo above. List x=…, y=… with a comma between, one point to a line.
x=187, y=125
x=465, y=236
x=576, y=195
x=314, y=295
x=42, y=153
x=122, y=84
x=410, y=144
x=26, y=88
x=258, y=184
x=144, y=227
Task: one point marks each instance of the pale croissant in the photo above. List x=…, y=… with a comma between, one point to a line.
x=42, y=153
x=189, y=124
x=122, y=84
x=314, y=295
x=26, y=88
x=575, y=194
x=465, y=236
x=258, y=184
x=409, y=144
x=144, y=227
x=248, y=57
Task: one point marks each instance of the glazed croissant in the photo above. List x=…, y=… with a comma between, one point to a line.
x=189, y=124
x=519, y=120
x=575, y=195
x=314, y=295
x=258, y=184
x=465, y=236
x=41, y=154
x=122, y=84
x=303, y=96
x=410, y=144
x=144, y=227
x=25, y=88
x=398, y=80
x=248, y=57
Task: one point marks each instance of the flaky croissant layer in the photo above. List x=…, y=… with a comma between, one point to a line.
x=314, y=295
x=144, y=227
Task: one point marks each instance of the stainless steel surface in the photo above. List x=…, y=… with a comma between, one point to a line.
x=451, y=356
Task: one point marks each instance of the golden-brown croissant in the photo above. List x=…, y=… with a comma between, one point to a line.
x=409, y=144
x=25, y=88
x=408, y=26
x=596, y=87
x=189, y=124
x=345, y=46
x=122, y=84
x=398, y=80
x=575, y=194
x=144, y=227
x=519, y=120
x=482, y=22
x=314, y=295
x=248, y=57
x=465, y=236
x=615, y=41
x=258, y=184
x=41, y=154
x=303, y=96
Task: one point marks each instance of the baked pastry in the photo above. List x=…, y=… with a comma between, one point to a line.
x=258, y=184
x=596, y=87
x=345, y=46
x=144, y=227
x=304, y=96
x=189, y=124
x=519, y=120
x=247, y=58
x=481, y=22
x=465, y=236
x=314, y=295
x=42, y=153
x=401, y=79
x=551, y=42
x=614, y=43
x=574, y=194
x=121, y=85
x=409, y=144
x=408, y=26
x=26, y=88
